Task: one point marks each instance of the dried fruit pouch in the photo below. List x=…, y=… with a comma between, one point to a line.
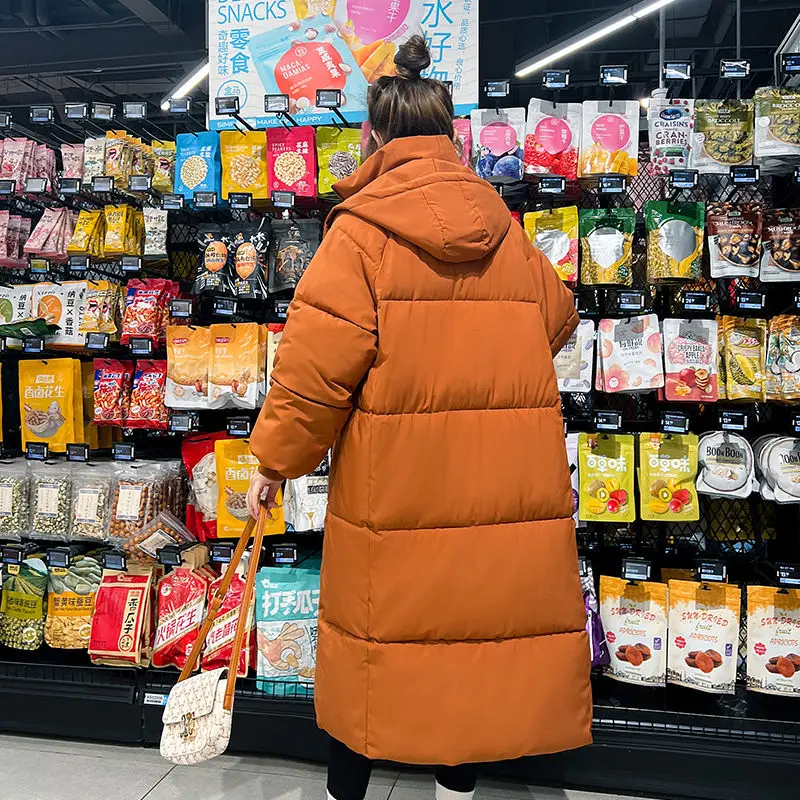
x=219, y=642
x=294, y=243
x=197, y=166
x=634, y=617
x=734, y=240
x=690, y=360
x=630, y=351
x=573, y=363
x=338, y=155
x=249, y=248
x=306, y=499
x=606, y=245
x=780, y=258
x=669, y=125
x=555, y=233
x=181, y=605
x=292, y=160
x=606, y=465
x=70, y=602
x=22, y=607
x=703, y=635
x=789, y=329
x=780, y=465
x=723, y=135
x=46, y=403
x=773, y=640
x=233, y=371
x=497, y=136
x=112, y=387
x=674, y=240
x=726, y=467
x=235, y=464
x=777, y=126
x=244, y=163
x=212, y=273
x=274, y=336
x=610, y=138
x=463, y=129
x=553, y=138
x=122, y=620
x=287, y=613
x=667, y=469
x=147, y=409
x=188, y=351
x=164, y=153
x=745, y=358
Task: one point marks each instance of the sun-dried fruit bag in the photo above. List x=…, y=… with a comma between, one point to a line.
x=773, y=640
x=553, y=138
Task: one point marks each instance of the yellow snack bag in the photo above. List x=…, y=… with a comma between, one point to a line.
x=233, y=373
x=85, y=230
x=605, y=466
x=235, y=464
x=555, y=233
x=116, y=225
x=244, y=163
x=46, y=402
x=773, y=640
x=87, y=391
x=77, y=401
x=163, y=165
x=187, y=366
x=667, y=469
x=745, y=358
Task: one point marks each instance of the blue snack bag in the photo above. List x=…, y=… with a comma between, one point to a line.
x=197, y=166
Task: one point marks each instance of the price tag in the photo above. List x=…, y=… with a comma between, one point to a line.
x=284, y=554
x=205, y=199
x=613, y=75
x=276, y=103
x=674, y=422
x=788, y=574
x=115, y=561
x=35, y=185
x=240, y=200
x=607, y=420
x=7, y=186
x=76, y=110
x=180, y=105
x=96, y=341
x=552, y=184
x=183, y=421
x=221, y=553
x=677, y=70
x=751, y=301
x=583, y=567
x=140, y=183
x=796, y=422
x=329, y=98
x=134, y=110
x=39, y=265
x=796, y=174
x=635, y=569
x=282, y=308
x=172, y=202
x=58, y=557
x=712, y=571
x=141, y=346
x=37, y=451
x=611, y=184
x=103, y=111
x=697, y=301
x=734, y=69
x=283, y=199
x=555, y=78
x=680, y=179
x=497, y=88
x=131, y=263
x=733, y=420
x=228, y=104
x=42, y=114
x=181, y=307
x=238, y=426
x=155, y=699
x=224, y=306
x=745, y=175
x=123, y=451
x=169, y=555
x=32, y=344
x=631, y=301
x=103, y=183
x=3, y=348
x=77, y=451
x=78, y=263
x=69, y=185
x=12, y=554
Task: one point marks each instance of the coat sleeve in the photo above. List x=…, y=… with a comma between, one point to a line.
x=329, y=343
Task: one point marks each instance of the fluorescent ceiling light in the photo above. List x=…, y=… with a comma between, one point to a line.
x=599, y=31
x=182, y=89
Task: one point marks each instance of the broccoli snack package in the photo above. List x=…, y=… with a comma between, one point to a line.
x=497, y=137
x=723, y=135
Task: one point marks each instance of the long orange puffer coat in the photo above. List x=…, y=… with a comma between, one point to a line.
x=420, y=340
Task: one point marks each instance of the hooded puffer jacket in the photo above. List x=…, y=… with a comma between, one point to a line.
x=420, y=340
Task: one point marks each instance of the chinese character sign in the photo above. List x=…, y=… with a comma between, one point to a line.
x=295, y=47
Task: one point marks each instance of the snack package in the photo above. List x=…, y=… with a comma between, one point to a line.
x=734, y=240
x=674, y=240
x=703, y=635
x=136, y=501
x=181, y=606
x=71, y=592
x=188, y=351
x=783, y=358
x=723, y=135
x=155, y=232
x=555, y=233
x=219, y=642
x=51, y=491
x=690, y=360
x=147, y=409
x=121, y=634
x=498, y=136
x=572, y=461
x=745, y=357
x=294, y=243
x=287, y=611
x=773, y=640
x=244, y=163
x=306, y=499
x=726, y=466
x=292, y=160
x=94, y=159
x=606, y=464
x=212, y=273
x=164, y=154
x=463, y=129
x=46, y=402
x=573, y=363
x=144, y=300
x=669, y=126
x=338, y=155
x=233, y=369
x=553, y=138
x=606, y=246
x=197, y=165
x=778, y=464
x=249, y=256
x=610, y=138
x=101, y=309
x=667, y=469
x=22, y=606
x=274, y=336
x=88, y=235
x=598, y=647
x=634, y=617
x=90, y=507
x=72, y=159
x=780, y=259
x=630, y=354
x=777, y=123
x=197, y=452
x=112, y=387
x=166, y=529
x=14, y=500
x=235, y=464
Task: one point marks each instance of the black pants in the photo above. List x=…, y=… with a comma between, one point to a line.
x=348, y=774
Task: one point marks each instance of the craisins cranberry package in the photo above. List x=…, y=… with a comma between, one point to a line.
x=181, y=603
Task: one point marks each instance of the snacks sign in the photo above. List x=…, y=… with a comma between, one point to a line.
x=295, y=47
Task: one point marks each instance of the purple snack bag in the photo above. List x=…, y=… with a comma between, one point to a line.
x=598, y=646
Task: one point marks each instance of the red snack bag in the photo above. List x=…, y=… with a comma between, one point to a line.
x=147, y=409
x=143, y=309
x=171, y=291
x=219, y=643
x=181, y=605
x=201, y=467
x=112, y=387
x=292, y=160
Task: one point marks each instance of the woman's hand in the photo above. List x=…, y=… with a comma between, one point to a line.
x=262, y=491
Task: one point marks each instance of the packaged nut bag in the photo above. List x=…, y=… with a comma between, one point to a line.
x=773, y=640
x=112, y=390
x=606, y=245
x=163, y=166
x=667, y=468
x=71, y=592
x=674, y=240
x=338, y=155
x=703, y=635
x=198, y=458
x=188, y=350
x=233, y=371
x=734, y=240
x=212, y=273
x=606, y=467
x=147, y=409
x=573, y=363
x=780, y=258
x=197, y=166
x=51, y=491
x=690, y=360
x=249, y=246
x=244, y=163
x=14, y=500
x=726, y=467
x=134, y=504
x=634, y=617
x=555, y=233
x=292, y=160
x=90, y=509
x=46, y=402
x=293, y=245
x=630, y=354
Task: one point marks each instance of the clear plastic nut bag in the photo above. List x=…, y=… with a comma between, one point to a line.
x=134, y=503
x=15, y=505
x=50, y=496
x=90, y=510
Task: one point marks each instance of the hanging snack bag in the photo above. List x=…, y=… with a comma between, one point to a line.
x=606, y=466
x=292, y=160
x=294, y=243
x=667, y=468
x=634, y=617
x=136, y=500
x=197, y=166
x=497, y=136
x=789, y=329
x=233, y=371
x=244, y=163
x=703, y=635
x=606, y=246
x=90, y=507
x=674, y=240
x=463, y=141
x=22, y=607
x=274, y=336
x=723, y=135
x=147, y=409
x=630, y=351
x=773, y=640
x=87, y=235
x=745, y=358
x=610, y=138
x=249, y=255
x=155, y=232
x=726, y=465
x=306, y=499
x=780, y=259
x=14, y=500
x=690, y=360
x=188, y=349
x=164, y=154
x=46, y=402
x=777, y=126
x=72, y=159
x=212, y=274
x=143, y=303
x=734, y=240
x=94, y=159
x=669, y=124
x=338, y=155
x=779, y=464
x=553, y=138
x=198, y=458
x=101, y=312
x=555, y=233
x=71, y=592
x=112, y=388
x=51, y=492
x=219, y=642
x=573, y=362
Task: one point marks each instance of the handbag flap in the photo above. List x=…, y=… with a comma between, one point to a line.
x=196, y=694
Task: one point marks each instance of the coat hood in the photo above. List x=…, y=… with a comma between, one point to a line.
x=416, y=187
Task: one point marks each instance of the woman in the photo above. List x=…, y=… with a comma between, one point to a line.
x=420, y=342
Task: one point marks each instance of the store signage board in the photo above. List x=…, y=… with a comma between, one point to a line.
x=69, y=185
x=631, y=301
x=611, y=184
x=77, y=451
x=683, y=179
x=497, y=89
x=552, y=184
x=555, y=79
x=205, y=199
x=710, y=570
x=745, y=175
x=96, y=341
x=751, y=301
x=607, y=420
x=172, y=202
x=258, y=48
x=35, y=185
x=635, y=569
x=37, y=451
x=733, y=420
x=140, y=183
x=123, y=451
x=7, y=186
x=677, y=70
x=238, y=426
x=697, y=301
x=674, y=422
x=613, y=75
x=734, y=69
x=240, y=200
x=103, y=183
x=182, y=307
x=788, y=574
x=284, y=555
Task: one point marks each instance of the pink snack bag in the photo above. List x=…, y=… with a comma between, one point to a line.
x=292, y=160
x=463, y=129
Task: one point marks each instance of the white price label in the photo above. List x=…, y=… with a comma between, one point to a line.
x=129, y=500
x=87, y=506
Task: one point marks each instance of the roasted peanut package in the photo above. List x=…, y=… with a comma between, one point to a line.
x=338, y=155
x=669, y=125
x=553, y=138
x=293, y=245
x=188, y=352
x=235, y=465
x=112, y=390
x=773, y=640
x=610, y=138
x=630, y=354
x=723, y=135
x=555, y=233
x=233, y=371
x=745, y=358
x=101, y=312
x=634, y=617
x=244, y=163
x=147, y=409
x=94, y=159
x=667, y=469
x=573, y=363
x=606, y=245
x=703, y=635
x=780, y=258
x=606, y=465
x=46, y=402
x=690, y=360
x=85, y=238
x=219, y=642
x=197, y=167
x=71, y=592
x=292, y=160
x=674, y=240
x=777, y=127
x=163, y=166
x=181, y=606
x=734, y=240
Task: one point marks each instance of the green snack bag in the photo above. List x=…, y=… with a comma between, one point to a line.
x=338, y=155
x=674, y=240
x=22, y=610
x=606, y=245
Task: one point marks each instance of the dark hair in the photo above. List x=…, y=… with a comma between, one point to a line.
x=407, y=104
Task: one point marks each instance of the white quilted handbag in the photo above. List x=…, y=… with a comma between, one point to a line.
x=199, y=710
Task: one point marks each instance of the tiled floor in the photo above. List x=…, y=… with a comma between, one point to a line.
x=48, y=769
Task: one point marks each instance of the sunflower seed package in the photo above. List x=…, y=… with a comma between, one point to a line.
x=606, y=245
x=777, y=122
x=674, y=240
x=212, y=274
x=338, y=155
x=780, y=258
x=294, y=242
x=249, y=249
x=723, y=135
x=734, y=240
x=555, y=233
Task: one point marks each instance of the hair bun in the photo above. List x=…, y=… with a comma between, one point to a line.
x=412, y=57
